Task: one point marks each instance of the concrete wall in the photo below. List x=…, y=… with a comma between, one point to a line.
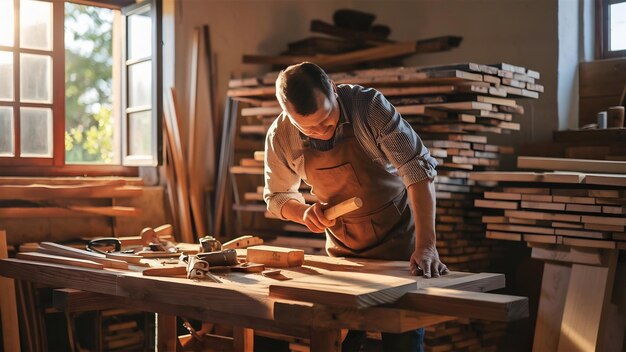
x=522, y=32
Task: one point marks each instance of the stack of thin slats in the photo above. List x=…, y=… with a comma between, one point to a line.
x=584, y=205
x=463, y=335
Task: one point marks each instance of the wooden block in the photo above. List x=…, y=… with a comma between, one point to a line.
x=583, y=242
x=350, y=289
x=549, y=239
x=504, y=236
x=542, y=205
x=581, y=233
x=502, y=196
x=495, y=204
x=277, y=257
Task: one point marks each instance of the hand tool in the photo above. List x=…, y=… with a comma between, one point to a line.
x=343, y=208
x=100, y=245
x=210, y=244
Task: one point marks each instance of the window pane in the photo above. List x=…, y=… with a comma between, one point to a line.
x=36, y=25
x=140, y=133
x=35, y=78
x=89, y=120
x=6, y=132
x=6, y=75
x=6, y=22
x=139, y=36
x=140, y=84
x=36, y=132
x=617, y=26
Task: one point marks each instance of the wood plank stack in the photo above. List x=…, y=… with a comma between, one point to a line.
x=583, y=206
x=463, y=335
x=353, y=41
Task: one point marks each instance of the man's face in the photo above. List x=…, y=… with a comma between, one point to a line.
x=322, y=123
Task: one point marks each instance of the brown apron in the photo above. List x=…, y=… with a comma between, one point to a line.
x=383, y=228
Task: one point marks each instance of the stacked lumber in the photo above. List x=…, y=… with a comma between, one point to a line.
x=352, y=41
x=463, y=335
x=582, y=205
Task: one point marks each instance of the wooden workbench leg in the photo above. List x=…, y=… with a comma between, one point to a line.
x=8, y=305
x=166, y=333
x=588, y=299
x=551, y=303
x=243, y=339
x=325, y=340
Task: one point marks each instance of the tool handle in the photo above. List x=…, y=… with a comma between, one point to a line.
x=343, y=208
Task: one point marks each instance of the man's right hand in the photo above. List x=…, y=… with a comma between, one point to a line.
x=315, y=220
x=312, y=216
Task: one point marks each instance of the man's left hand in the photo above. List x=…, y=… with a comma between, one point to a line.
x=426, y=262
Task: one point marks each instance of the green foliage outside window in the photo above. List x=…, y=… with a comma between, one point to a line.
x=89, y=133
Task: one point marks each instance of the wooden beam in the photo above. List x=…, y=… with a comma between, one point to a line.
x=464, y=304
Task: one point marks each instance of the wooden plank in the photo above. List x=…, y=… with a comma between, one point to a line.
x=606, y=180
x=579, y=165
x=111, y=189
x=49, y=258
x=551, y=304
x=278, y=257
x=172, y=122
x=68, y=211
x=475, y=305
x=61, y=250
x=584, y=307
x=583, y=242
x=482, y=203
x=349, y=289
x=524, y=214
x=8, y=305
x=567, y=254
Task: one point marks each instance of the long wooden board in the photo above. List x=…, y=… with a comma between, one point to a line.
x=351, y=289
x=579, y=165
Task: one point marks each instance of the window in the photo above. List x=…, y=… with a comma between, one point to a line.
x=80, y=85
x=611, y=28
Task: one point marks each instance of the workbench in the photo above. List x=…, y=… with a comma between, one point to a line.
x=243, y=300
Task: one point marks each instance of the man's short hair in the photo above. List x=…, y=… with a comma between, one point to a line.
x=297, y=83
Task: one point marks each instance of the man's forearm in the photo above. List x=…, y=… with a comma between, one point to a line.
x=423, y=203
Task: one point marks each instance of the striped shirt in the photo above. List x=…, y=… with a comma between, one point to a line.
x=381, y=131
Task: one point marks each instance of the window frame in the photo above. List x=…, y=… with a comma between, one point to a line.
x=602, y=30
x=56, y=166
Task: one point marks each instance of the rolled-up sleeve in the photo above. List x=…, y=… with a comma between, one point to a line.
x=281, y=182
x=400, y=143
